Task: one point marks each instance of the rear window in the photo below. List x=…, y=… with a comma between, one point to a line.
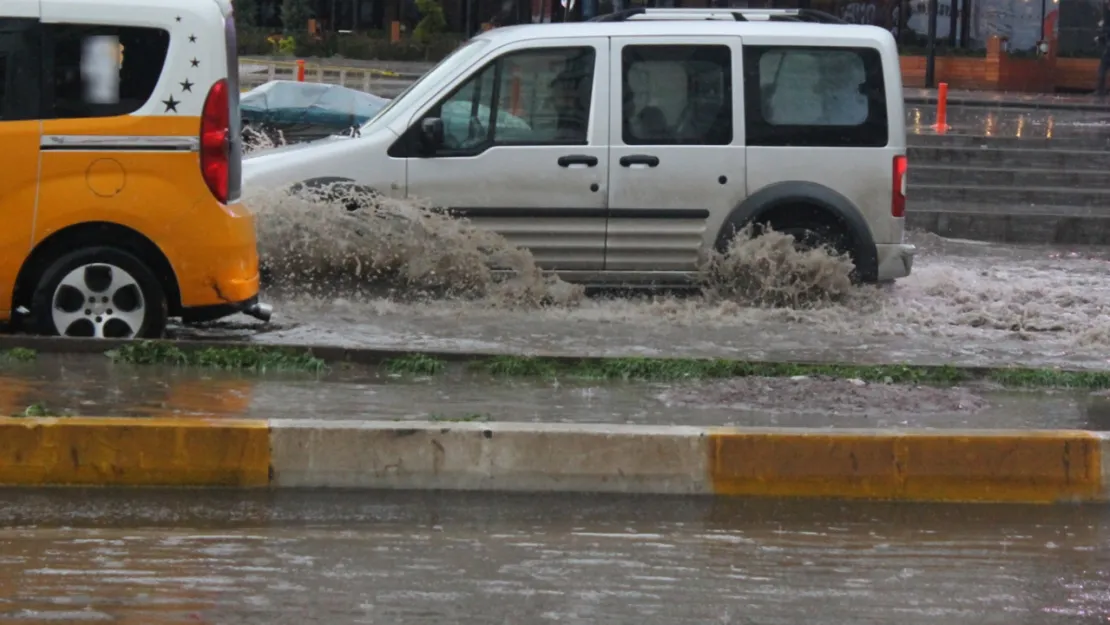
x=100, y=70
x=814, y=96
x=19, y=62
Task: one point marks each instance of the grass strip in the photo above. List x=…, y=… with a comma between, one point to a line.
x=678, y=369
x=40, y=410
x=255, y=359
x=18, y=354
x=415, y=364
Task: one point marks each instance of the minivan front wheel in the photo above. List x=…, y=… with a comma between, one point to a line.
x=99, y=292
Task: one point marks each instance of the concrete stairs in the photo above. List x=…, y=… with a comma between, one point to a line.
x=1011, y=190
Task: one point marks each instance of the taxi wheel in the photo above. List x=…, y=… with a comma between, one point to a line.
x=99, y=292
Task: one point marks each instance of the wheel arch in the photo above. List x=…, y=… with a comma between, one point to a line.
x=97, y=233
x=785, y=197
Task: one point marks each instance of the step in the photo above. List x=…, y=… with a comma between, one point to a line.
x=1011, y=196
x=1071, y=160
x=1059, y=225
x=963, y=175
x=1094, y=141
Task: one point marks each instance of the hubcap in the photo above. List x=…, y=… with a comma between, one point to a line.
x=99, y=301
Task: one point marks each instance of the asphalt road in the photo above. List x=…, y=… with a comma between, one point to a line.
x=190, y=557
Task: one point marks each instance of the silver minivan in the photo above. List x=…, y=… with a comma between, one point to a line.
x=624, y=150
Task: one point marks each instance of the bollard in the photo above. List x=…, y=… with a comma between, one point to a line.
x=300, y=70
x=942, y=108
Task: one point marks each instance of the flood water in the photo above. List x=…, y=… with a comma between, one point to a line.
x=94, y=386
x=161, y=558
x=966, y=302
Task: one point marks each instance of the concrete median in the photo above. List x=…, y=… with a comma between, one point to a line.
x=926, y=465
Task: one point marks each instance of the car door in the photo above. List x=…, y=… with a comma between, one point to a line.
x=676, y=156
x=20, y=131
x=524, y=149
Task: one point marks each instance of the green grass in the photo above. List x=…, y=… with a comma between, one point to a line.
x=18, y=354
x=40, y=410
x=415, y=364
x=678, y=369
x=255, y=359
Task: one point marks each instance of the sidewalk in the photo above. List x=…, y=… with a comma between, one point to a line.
x=960, y=97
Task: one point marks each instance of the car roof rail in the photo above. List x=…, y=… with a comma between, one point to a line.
x=739, y=15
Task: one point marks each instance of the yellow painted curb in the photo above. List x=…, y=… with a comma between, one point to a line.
x=1028, y=467
x=134, y=452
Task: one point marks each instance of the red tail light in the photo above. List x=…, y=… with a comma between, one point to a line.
x=215, y=148
x=898, y=191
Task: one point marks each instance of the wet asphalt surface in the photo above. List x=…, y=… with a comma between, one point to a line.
x=94, y=386
x=161, y=558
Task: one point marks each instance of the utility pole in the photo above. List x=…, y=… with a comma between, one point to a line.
x=931, y=56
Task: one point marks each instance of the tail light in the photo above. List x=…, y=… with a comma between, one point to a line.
x=898, y=189
x=215, y=134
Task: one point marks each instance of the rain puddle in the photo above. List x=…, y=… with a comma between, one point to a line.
x=284, y=558
x=95, y=386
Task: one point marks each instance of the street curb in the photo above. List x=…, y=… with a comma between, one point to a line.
x=985, y=466
x=374, y=356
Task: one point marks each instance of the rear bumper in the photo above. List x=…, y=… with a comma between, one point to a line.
x=895, y=260
x=212, y=312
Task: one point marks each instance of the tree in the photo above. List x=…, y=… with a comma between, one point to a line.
x=432, y=21
x=295, y=15
x=246, y=13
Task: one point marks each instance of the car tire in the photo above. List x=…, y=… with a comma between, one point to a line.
x=813, y=235
x=98, y=292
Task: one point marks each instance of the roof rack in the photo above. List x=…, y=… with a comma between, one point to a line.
x=739, y=15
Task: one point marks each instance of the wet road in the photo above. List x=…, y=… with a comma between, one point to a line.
x=91, y=385
x=1070, y=126
x=391, y=558
x=966, y=302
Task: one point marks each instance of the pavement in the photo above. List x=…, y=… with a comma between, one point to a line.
x=284, y=558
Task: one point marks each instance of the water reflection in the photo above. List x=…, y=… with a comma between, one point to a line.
x=91, y=387
x=1087, y=127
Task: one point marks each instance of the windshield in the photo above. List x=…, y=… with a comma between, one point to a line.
x=460, y=56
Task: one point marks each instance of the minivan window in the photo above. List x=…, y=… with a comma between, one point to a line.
x=676, y=95
x=19, y=62
x=531, y=97
x=814, y=96
x=100, y=70
x=441, y=72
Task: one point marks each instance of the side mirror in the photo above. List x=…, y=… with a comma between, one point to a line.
x=431, y=133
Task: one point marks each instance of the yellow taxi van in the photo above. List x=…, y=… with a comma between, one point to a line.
x=120, y=168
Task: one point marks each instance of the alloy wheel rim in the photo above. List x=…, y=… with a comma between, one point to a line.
x=98, y=300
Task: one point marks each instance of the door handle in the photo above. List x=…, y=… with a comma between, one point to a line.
x=577, y=159
x=639, y=159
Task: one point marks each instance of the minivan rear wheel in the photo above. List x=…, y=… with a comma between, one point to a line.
x=99, y=292
x=808, y=236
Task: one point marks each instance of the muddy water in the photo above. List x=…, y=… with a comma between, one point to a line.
x=392, y=558
x=965, y=303
x=93, y=386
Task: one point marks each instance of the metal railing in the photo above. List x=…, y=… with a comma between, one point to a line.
x=738, y=15
x=381, y=82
